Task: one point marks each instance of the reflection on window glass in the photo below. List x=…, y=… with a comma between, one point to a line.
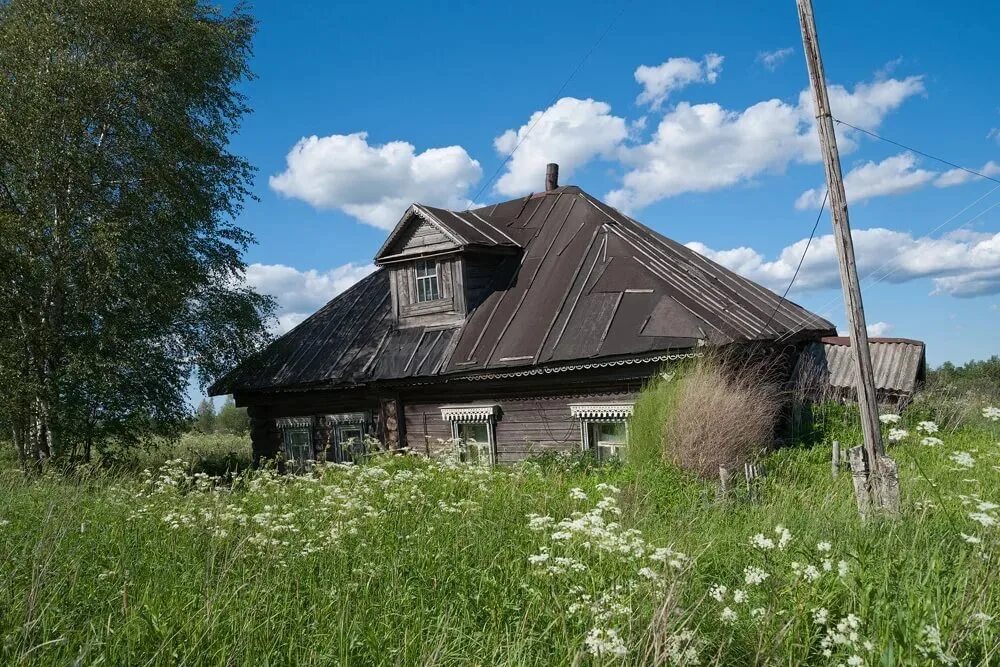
x=427, y=280
x=609, y=439
x=474, y=442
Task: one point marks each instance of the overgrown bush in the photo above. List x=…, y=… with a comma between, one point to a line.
x=718, y=416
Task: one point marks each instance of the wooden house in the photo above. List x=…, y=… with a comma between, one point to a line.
x=523, y=327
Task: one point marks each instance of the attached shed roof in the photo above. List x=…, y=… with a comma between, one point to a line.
x=899, y=364
x=590, y=284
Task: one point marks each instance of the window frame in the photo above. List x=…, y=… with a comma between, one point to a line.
x=462, y=415
x=291, y=426
x=427, y=288
x=592, y=415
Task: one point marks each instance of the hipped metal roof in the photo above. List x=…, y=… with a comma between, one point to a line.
x=589, y=284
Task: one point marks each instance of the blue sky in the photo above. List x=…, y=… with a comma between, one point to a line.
x=687, y=114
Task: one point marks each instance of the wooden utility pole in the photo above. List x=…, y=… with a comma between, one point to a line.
x=873, y=449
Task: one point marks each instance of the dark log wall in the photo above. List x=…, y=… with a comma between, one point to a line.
x=527, y=426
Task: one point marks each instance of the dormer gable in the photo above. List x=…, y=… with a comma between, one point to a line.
x=417, y=234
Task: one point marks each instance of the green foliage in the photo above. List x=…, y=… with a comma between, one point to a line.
x=976, y=377
x=410, y=561
x=233, y=420
x=120, y=264
x=205, y=417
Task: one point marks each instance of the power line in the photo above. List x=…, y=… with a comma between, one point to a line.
x=914, y=150
x=565, y=83
x=814, y=319
x=801, y=260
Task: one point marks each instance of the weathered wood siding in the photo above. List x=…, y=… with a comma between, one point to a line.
x=527, y=426
x=423, y=239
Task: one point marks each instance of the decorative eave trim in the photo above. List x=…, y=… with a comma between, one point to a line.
x=469, y=413
x=582, y=367
x=601, y=411
x=294, y=422
x=344, y=418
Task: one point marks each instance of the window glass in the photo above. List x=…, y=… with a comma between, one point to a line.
x=427, y=280
x=474, y=441
x=608, y=439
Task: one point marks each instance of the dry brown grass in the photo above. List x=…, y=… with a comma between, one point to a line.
x=720, y=417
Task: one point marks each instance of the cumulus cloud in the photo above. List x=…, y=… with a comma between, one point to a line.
x=960, y=176
x=704, y=147
x=660, y=80
x=876, y=329
x=571, y=132
x=772, y=59
x=892, y=176
x=375, y=183
x=962, y=264
x=300, y=293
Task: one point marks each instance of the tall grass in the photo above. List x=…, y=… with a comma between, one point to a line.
x=410, y=561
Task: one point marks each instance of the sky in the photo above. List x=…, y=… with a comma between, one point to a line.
x=694, y=118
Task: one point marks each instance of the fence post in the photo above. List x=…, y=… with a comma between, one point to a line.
x=835, y=463
x=725, y=482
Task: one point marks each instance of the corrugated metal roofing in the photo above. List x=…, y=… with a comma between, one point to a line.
x=899, y=364
x=591, y=283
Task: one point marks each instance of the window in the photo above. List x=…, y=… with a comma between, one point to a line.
x=603, y=428
x=297, y=439
x=473, y=427
x=427, y=280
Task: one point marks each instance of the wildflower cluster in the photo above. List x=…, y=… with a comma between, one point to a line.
x=595, y=534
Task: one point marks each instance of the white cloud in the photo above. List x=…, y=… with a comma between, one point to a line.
x=892, y=176
x=877, y=329
x=704, y=147
x=660, y=80
x=300, y=293
x=960, y=176
x=571, y=133
x=771, y=59
x=962, y=263
x=375, y=183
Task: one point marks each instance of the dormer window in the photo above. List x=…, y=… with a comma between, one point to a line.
x=427, y=280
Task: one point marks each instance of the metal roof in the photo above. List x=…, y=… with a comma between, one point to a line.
x=899, y=364
x=590, y=284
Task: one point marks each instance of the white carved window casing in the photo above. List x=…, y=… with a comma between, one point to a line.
x=603, y=428
x=473, y=427
x=426, y=271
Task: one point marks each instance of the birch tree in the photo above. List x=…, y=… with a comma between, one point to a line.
x=121, y=264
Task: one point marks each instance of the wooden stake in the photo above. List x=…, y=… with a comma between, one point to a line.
x=842, y=235
x=835, y=462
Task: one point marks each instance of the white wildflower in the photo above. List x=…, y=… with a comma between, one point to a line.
x=963, y=459
x=981, y=618
x=991, y=413
x=811, y=573
x=855, y=661
x=931, y=441
x=821, y=616
x=739, y=596
x=889, y=419
x=971, y=539
x=758, y=612
x=754, y=575
x=718, y=592
x=932, y=646
x=987, y=506
x=983, y=518
x=927, y=427
x=601, y=642
x=728, y=616
x=824, y=547
x=842, y=569
x=897, y=434
x=647, y=573
x=577, y=493
x=761, y=542
x=784, y=536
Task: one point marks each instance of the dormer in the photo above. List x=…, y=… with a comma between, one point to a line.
x=442, y=264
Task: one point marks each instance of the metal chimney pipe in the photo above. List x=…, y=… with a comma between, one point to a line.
x=551, y=176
